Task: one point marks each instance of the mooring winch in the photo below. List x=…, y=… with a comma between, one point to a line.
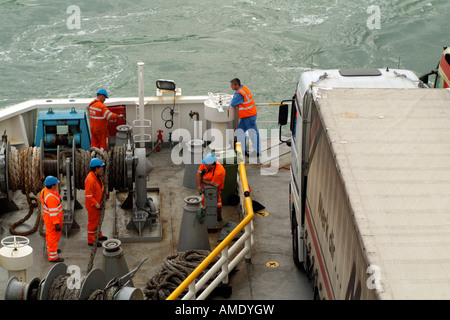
x=62, y=282
x=137, y=168
x=62, y=128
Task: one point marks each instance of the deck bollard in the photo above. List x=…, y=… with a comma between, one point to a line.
x=193, y=232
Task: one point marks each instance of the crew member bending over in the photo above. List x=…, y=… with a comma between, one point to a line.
x=211, y=172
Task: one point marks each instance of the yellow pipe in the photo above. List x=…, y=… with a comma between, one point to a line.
x=268, y=104
x=250, y=215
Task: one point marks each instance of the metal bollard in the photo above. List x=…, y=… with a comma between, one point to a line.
x=193, y=233
x=192, y=160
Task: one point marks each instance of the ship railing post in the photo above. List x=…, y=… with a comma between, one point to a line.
x=141, y=101
x=248, y=242
x=225, y=265
x=192, y=290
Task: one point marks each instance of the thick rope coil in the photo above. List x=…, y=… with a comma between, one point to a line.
x=37, y=180
x=25, y=175
x=82, y=159
x=104, y=156
x=175, y=268
x=24, y=170
x=13, y=169
x=59, y=290
x=117, y=170
x=103, y=294
x=25, y=166
x=106, y=293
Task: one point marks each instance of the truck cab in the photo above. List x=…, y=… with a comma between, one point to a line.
x=439, y=77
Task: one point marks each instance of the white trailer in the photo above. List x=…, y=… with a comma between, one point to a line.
x=370, y=185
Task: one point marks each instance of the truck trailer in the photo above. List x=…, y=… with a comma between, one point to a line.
x=370, y=184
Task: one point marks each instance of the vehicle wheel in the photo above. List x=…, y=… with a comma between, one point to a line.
x=316, y=294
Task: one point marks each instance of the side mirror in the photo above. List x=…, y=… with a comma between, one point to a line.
x=283, y=114
x=425, y=78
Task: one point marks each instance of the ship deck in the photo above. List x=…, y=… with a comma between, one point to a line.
x=271, y=274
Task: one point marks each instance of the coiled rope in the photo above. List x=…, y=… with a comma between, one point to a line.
x=174, y=270
x=24, y=175
x=24, y=170
x=59, y=290
x=113, y=172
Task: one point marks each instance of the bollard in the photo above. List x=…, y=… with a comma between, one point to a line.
x=114, y=263
x=193, y=233
x=192, y=160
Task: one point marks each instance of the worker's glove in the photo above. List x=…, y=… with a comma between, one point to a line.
x=98, y=206
x=57, y=227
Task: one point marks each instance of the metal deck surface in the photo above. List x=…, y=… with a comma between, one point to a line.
x=270, y=275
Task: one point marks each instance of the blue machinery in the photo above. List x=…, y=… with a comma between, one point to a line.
x=63, y=128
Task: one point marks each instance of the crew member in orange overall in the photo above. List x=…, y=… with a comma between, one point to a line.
x=99, y=116
x=213, y=173
x=52, y=213
x=93, y=186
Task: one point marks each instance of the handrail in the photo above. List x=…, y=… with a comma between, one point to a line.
x=225, y=242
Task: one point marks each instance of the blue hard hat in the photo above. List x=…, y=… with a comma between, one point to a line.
x=103, y=92
x=209, y=159
x=96, y=162
x=51, y=180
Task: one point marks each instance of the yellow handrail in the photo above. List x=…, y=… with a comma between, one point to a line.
x=249, y=216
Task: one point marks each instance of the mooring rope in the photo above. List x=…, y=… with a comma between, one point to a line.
x=99, y=226
x=24, y=175
x=60, y=290
x=174, y=270
x=106, y=293
x=24, y=170
x=32, y=205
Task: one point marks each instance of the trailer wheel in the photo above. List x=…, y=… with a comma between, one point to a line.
x=295, y=244
x=316, y=294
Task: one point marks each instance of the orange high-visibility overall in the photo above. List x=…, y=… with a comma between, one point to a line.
x=52, y=213
x=248, y=107
x=99, y=116
x=217, y=178
x=93, y=191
